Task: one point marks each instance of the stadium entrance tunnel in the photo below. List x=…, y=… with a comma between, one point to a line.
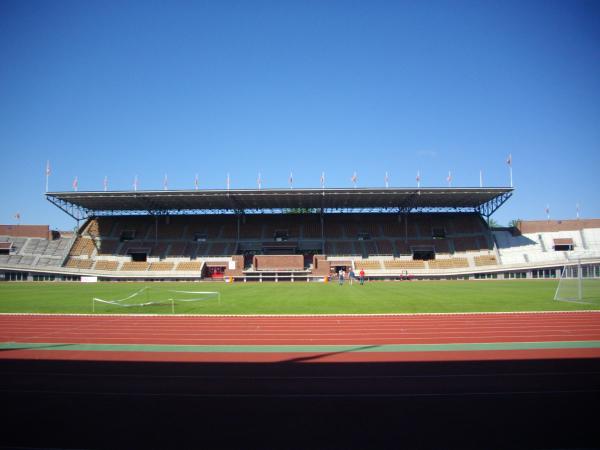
x=423, y=254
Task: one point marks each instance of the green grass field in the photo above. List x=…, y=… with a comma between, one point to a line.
x=294, y=298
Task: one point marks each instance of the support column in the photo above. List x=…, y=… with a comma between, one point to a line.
x=155, y=228
x=322, y=232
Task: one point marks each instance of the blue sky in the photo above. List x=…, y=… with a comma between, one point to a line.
x=129, y=88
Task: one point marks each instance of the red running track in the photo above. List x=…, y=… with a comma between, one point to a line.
x=302, y=330
x=305, y=330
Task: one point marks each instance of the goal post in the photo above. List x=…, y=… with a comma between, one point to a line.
x=151, y=300
x=569, y=284
x=579, y=282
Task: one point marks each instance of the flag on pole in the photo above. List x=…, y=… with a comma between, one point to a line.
x=166, y=183
x=354, y=178
x=387, y=180
x=18, y=216
x=449, y=179
x=259, y=181
x=548, y=212
x=509, y=162
x=509, y=159
x=135, y=183
x=228, y=181
x=323, y=180
x=75, y=184
x=291, y=180
x=196, y=182
x=418, y=178
x=105, y=183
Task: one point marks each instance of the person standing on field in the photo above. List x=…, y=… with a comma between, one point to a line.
x=341, y=276
x=362, y=276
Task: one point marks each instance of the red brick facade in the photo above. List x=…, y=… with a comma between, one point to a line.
x=278, y=262
x=32, y=231
x=539, y=226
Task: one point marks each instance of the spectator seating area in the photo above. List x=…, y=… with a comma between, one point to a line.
x=35, y=252
x=377, y=243
x=536, y=242
x=167, y=244
x=183, y=243
x=106, y=265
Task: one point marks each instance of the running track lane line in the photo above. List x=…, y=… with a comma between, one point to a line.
x=385, y=348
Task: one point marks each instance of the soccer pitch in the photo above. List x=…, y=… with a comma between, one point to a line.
x=290, y=298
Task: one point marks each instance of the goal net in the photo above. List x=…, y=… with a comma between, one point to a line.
x=157, y=301
x=579, y=282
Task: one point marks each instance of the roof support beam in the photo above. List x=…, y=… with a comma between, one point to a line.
x=490, y=207
x=76, y=212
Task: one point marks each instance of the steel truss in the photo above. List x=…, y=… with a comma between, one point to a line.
x=489, y=208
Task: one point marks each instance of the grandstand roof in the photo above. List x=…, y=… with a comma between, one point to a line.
x=84, y=204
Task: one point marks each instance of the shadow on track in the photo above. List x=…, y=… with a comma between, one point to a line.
x=298, y=405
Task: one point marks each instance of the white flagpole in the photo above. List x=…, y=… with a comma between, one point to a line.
x=228, y=181
x=291, y=180
x=480, y=178
x=577, y=210
x=166, y=183
x=387, y=180
x=418, y=179
x=105, y=183
x=47, y=173
x=259, y=181
x=196, y=182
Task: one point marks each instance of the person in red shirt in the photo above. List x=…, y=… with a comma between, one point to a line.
x=362, y=276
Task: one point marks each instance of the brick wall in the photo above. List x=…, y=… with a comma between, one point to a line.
x=538, y=226
x=239, y=267
x=33, y=231
x=284, y=262
x=321, y=266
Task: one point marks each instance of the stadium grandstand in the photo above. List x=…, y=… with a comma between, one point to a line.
x=292, y=235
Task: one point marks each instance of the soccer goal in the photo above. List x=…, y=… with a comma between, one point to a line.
x=156, y=301
x=579, y=282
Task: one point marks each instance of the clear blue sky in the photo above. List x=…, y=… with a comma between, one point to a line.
x=119, y=88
